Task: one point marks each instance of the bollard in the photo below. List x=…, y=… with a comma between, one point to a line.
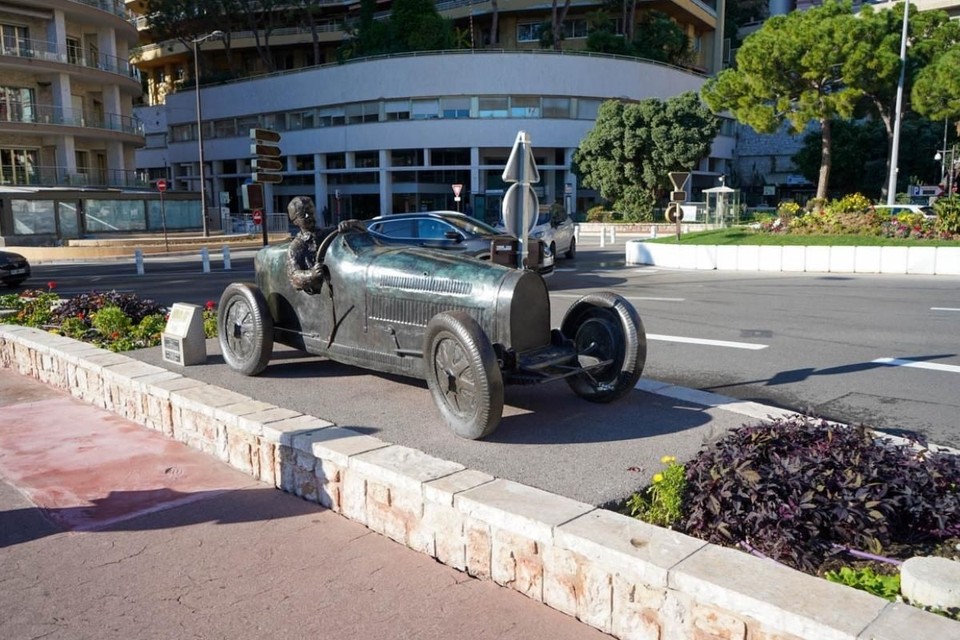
x=613, y=234
x=576, y=233
x=226, y=257
x=653, y=231
x=603, y=237
x=205, y=256
x=138, y=257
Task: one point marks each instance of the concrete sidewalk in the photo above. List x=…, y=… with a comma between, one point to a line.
x=110, y=530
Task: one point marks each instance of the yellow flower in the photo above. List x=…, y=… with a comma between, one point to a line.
x=667, y=459
x=658, y=477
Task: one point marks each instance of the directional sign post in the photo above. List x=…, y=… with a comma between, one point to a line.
x=266, y=163
x=457, y=188
x=520, y=203
x=161, y=187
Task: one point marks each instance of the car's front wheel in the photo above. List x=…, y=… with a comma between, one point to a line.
x=572, y=249
x=462, y=374
x=245, y=328
x=611, y=346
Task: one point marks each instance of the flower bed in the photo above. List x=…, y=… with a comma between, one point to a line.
x=112, y=320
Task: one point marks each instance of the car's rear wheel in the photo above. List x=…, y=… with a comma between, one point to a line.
x=245, y=328
x=611, y=346
x=572, y=249
x=462, y=374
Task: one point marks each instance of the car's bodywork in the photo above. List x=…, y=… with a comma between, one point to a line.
x=14, y=268
x=450, y=231
x=555, y=229
x=467, y=327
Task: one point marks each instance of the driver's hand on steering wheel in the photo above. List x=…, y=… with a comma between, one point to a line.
x=351, y=225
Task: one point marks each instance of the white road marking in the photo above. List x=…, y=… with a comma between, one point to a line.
x=944, y=309
x=580, y=295
x=710, y=343
x=934, y=366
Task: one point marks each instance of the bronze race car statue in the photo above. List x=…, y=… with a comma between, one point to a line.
x=466, y=326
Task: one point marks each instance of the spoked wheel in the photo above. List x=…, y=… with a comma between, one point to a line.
x=611, y=346
x=245, y=328
x=572, y=249
x=462, y=374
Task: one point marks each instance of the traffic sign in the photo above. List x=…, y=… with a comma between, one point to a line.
x=161, y=185
x=266, y=164
x=520, y=200
x=678, y=178
x=456, y=189
x=257, y=216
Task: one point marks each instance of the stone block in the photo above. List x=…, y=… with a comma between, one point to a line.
x=614, y=541
x=329, y=484
x=710, y=623
x=637, y=611
x=402, y=467
x=230, y=414
x=339, y=445
x=255, y=422
x=519, y=509
x=516, y=563
x=353, y=496
x=442, y=490
x=284, y=430
x=899, y=621
x=478, y=548
x=767, y=591
x=449, y=541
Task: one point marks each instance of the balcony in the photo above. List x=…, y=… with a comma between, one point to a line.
x=83, y=177
x=48, y=114
x=53, y=52
x=116, y=7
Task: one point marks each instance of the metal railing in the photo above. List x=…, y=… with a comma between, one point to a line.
x=30, y=175
x=66, y=116
x=53, y=52
x=243, y=223
x=116, y=7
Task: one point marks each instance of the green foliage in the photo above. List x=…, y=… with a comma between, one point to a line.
x=111, y=322
x=791, y=71
x=33, y=307
x=948, y=214
x=660, y=503
x=658, y=37
x=599, y=214
x=852, y=203
x=936, y=93
x=800, y=490
x=210, y=319
x=632, y=147
x=866, y=579
x=413, y=25
x=859, y=155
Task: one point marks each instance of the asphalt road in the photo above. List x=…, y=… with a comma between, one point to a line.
x=833, y=345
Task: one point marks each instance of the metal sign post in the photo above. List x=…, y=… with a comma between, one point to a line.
x=162, y=187
x=520, y=203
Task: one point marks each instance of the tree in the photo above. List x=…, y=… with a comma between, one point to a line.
x=792, y=71
x=416, y=25
x=936, y=93
x=632, y=147
x=859, y=157
x=659, y=38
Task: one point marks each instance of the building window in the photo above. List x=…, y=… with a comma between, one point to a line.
x=297, y=120
x=406, y=158
x=396, y=110
x=331, y=117
x=33, y=216
x=303, y=163
x=450, y=157
x=528, y=32
x=19, y=166
x=576, y=28
x=336, y=161
x=366, y=159
x=115, y=215
x=359, y=112
x=492, y=107
x=455, y=107
x=183, y=132
x=524, y=107
x=246, y=123
x=225, y=128
x=556, y=107
x=14, y=40
x=425, y=109
x=75, y=53
x=587, y=109
x=17, y=104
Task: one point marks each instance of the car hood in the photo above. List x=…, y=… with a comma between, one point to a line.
x=417, y=267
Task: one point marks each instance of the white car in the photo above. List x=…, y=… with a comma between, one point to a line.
x=896, y=209
x=556, y=230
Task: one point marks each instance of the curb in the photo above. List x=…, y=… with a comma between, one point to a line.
x=619, y=575
x=941, y=261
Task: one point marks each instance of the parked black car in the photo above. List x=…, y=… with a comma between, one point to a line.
x=450, y=231
x=467, y=327
x=14, y=268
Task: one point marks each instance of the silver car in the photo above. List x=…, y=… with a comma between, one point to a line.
x=556, y=230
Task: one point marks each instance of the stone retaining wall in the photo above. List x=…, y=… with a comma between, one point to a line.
x=620, y=575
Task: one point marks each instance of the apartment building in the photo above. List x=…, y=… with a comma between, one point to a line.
x=67, y=89
x=394, y=133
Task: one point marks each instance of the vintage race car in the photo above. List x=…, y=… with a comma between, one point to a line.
x=466, y=326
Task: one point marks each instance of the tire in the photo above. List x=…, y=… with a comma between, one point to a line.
x=245, y=329
x=604, y=326
x=572, y=249
x=462, y=374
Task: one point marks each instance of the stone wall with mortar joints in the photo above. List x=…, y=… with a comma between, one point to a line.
x=619, y=575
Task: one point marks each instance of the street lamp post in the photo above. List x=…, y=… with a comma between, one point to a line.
x=196, y=81
x=946, y=166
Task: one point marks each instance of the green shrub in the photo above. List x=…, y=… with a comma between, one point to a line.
x=661, y=502
x=852, y=203
x=802, y=490
x=598, y=214
x=948, y=215
x=210, y=319
x=866, y=579
x=111, y=322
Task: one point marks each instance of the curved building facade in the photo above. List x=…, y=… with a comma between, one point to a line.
x=395, y=134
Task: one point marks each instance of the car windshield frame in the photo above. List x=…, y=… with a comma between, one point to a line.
x=471, y=225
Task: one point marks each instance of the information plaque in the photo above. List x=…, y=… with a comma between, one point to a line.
x=183, y=341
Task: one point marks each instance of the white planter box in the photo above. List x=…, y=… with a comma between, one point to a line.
x=893, y=260
x=866, y=259
x=842, y=259
x=818, y=259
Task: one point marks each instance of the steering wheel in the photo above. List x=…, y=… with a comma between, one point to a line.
x=325, y=244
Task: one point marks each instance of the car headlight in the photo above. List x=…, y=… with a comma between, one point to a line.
x=537, y=234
